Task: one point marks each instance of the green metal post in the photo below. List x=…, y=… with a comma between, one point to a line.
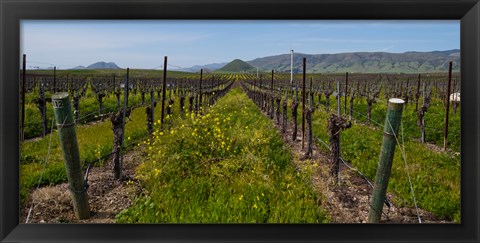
x=392, y=123
x=71, y=156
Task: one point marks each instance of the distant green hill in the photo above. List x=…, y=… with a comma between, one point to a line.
x=103, y=65
x=376, y=62
x=236, y=66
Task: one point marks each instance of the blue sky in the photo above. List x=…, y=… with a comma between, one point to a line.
x=143, y=44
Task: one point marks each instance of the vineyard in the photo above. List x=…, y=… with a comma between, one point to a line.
x=164, y=146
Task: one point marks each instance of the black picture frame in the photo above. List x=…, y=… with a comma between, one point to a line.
x=12, y=11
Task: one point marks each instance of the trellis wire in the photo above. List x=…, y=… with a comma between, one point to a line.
x=406, y=167
x=43, y=170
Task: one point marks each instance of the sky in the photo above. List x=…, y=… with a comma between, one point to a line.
x=143, y=44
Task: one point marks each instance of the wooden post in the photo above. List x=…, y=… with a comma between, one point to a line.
x=164, y=86
x=117, y=168
x=284, y=113
x=22, y=125
x=447, y=109
x=213, y=89
x=150, y=112
x=200, y=91
x=346, y=92
x=170, y=87
x=43, y=108
x=296, y=90
x=54, y=79
x=260, y=91
x=126, y=90
x=68, y=140
x=153, y=103
x=76, y=106
x=68, y=85
x=294, y=119
x=338, y=98
x=311, y=93
x=392, y=123
x=271, y=110
x=308, y=117
x=417, y=95
x=303, y=101
x=421, y=113
x=116, y=92
x=406, y=94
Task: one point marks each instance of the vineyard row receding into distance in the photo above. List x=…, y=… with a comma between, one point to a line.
x=207, y=151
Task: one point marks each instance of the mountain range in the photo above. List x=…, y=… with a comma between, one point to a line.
x=377, y=62
x=208, y=67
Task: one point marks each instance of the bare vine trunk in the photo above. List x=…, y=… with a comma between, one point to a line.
x=190, y=104
x=369, y=109
x=118, y=134
x=327, y=100
x=352, y=98
x=76, y=107
x=170, y=107
x=308, y=117
x=294, y=120
x=148, y=110
x=335, y=125
x=182, y=105
x=284, y=116
x=421, y=122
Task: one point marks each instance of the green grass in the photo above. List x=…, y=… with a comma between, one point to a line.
x=89, y=109
x=94, y=141
x=435, y=175
x=228, y=166
x=434, y=120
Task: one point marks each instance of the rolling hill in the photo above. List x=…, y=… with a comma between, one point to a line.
x=378, y=62
x=99, y=65
x=103, y=65
x=236, y=66
x=196, y=68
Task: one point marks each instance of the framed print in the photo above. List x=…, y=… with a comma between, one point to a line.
x=158, y=121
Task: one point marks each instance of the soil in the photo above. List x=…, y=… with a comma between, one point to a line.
x=349, y=200
x=107, y=196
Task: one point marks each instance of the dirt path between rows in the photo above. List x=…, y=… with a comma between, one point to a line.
x=347, y=202
x=107, y=196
